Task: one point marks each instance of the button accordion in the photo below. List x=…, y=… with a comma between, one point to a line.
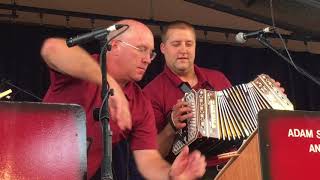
x=223, y=119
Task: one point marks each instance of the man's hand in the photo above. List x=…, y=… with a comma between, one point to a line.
x=181, y=111
x=119, y=108
x=278, y=84
x=188, y=166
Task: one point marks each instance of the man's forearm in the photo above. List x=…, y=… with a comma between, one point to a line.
x=165, y=140
x=186, y=165
x=151, y=165
x=75, y=61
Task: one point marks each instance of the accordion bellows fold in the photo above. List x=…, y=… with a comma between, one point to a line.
x=223, y=119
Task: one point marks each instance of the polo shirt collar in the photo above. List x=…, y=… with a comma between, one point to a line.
x=202, y=80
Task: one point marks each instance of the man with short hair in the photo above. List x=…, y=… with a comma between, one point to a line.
x=178, y=46
x=76, y=78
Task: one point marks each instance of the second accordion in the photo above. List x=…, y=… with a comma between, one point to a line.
x=222, y=119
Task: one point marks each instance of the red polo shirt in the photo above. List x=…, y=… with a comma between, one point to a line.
x=164, y=91
x=65, y=89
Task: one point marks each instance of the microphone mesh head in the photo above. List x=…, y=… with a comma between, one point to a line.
x=240, y=38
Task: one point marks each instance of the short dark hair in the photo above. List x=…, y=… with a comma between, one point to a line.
x=178, y=24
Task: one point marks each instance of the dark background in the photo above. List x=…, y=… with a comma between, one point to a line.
x=21, y=64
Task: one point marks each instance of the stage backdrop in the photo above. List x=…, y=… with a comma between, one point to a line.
x=21, y=64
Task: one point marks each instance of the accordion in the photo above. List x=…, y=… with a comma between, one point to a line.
x=223, y=119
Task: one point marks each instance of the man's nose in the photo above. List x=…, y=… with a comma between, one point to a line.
x=146, y=59
x=183, y=48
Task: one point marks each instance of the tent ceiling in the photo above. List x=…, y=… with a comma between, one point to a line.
x=299, y=16
x=212, y=25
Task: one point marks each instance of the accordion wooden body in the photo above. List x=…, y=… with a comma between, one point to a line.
x=223, y=119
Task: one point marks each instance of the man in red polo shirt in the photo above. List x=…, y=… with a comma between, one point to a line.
x=178, y=46
x=76, y=78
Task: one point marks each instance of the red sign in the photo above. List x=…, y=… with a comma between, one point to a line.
x=290, y=144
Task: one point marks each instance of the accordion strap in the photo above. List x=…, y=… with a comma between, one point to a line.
x=185, y=87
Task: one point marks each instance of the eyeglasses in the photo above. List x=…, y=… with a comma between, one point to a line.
x=142, y=50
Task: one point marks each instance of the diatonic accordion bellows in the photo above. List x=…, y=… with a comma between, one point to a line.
x=224, y=118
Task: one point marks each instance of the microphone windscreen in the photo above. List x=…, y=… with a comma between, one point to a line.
x=240, y=38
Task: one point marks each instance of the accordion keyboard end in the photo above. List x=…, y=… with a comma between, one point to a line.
x=228, y=155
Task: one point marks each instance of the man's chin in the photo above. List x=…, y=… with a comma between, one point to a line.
x=138, y=78
x=182, y=67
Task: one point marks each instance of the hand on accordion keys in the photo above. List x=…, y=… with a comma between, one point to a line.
x=181, y=111
x=222, y=119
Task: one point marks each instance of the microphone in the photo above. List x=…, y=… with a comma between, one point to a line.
x=96, y=34
x=242, y=37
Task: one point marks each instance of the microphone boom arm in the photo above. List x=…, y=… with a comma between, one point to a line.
x=265, y=43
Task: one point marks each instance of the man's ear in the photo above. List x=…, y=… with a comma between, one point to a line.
x=114, y=47
x=162, y=47
x=114, y=43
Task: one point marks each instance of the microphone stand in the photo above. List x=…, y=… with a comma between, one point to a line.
x=265, y=43
x=104, y=115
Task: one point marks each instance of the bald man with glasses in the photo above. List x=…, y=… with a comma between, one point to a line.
x=76, y=78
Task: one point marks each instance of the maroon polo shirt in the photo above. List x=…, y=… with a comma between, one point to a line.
x=164, y=91
x=65, y=89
